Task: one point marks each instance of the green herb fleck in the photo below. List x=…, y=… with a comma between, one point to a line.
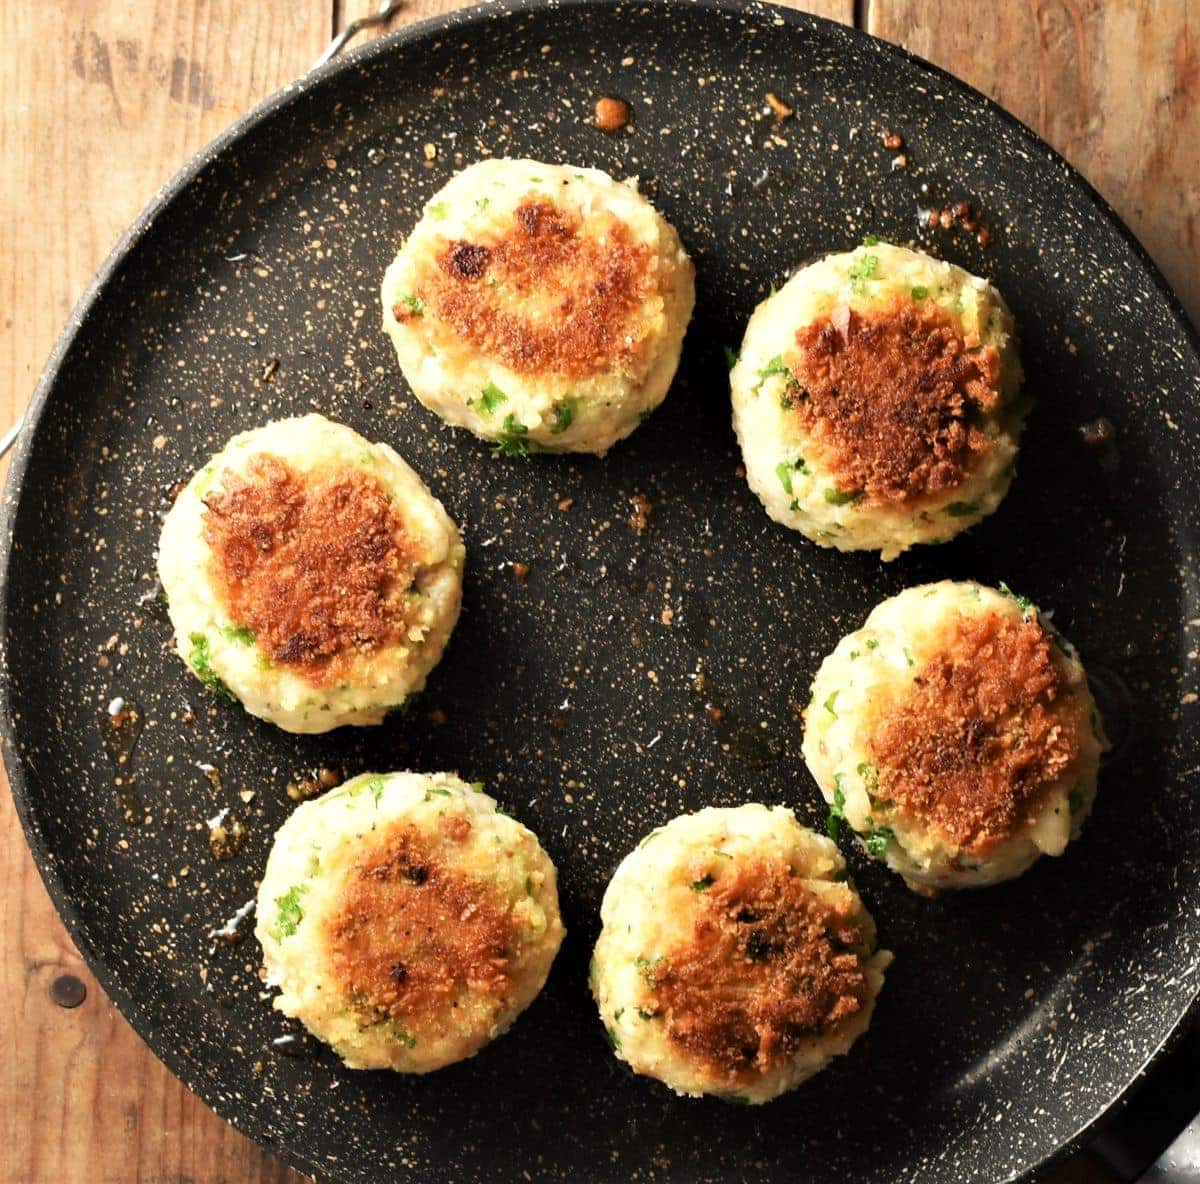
x=512, y=442
x=961, y=509
x=647, y=968
x=238, y=633
x=703, y=884
x=613, y=1038
x=483, y=203
x=200, y=661
x=862, y=271
x=872, y=643
x=375, y=785
x=842, y=497
x=730, y=356
x=564, y=415
x=736, y=1099
x=870, y=777
x=828, y=704
x=414, y=304
x=643, y=1014
x=405, y=1037
x=436, y=792
x=783, y=470
x=1023, y=602
x=776, y=366
x=290, y=912
x=919, y=292
x=476, y=786
x=878, y=840
x=438, y=209
x=833, y=823
x=872, y=240
x=908, y=657
x=489, y=399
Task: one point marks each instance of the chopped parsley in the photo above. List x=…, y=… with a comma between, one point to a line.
x=828, y=704
x=703, y=884
x=476, y=786
x=375, y=785
x=736, y=1099
x=238, y=633
x=405, y=1037
x=489, y=399
x=961, y=509
x=512, y=441
x=731, y=356
x=290, y=912
x=908, y=657
x=784, y=470
x=862, y=271
x=842, y=497
x=413, y=303
x=435, y=791
x=200, y=660
x=872, y=643
x=1023, y=602
x=564, y=415
x=870, y=777
x=483, y=203
x=878, y=840
x=776, y=366
x=613, y=1038
x=872, y=240
x=438, y=209
x=643, y=1014
x=919, y=292
x=833, y=823
x=647, y=968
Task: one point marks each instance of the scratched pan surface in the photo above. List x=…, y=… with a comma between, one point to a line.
x=1012, y=1017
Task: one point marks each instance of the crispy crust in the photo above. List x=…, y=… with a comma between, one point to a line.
x=412, y=933
x=547, y=295
x=890, y=401
x=318, y=568
x=769, y=965
x=986, y=728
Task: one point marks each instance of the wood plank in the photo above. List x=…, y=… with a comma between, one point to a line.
x=1114, y=85
x=100, y=102
x=418, y=10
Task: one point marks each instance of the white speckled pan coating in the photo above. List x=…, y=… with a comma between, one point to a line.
x=1012, y=1017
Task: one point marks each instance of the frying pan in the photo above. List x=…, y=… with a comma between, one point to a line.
x=1014, y=1017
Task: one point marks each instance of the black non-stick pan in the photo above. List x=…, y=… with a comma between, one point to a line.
x=1014, y=1016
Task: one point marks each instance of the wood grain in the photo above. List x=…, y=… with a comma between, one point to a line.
x=1114, y=85
x=102, y=100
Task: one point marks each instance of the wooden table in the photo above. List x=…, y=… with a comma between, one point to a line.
x=102, y=100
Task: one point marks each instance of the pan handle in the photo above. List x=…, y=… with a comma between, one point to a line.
x=386, y=10
x=1144, y=1143
x=384, y=13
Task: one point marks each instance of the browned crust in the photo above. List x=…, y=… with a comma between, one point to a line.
x=892, y=402
x=412, y=933
x=598, y=279
x=318, y=568
x=987, y=726
x=769, y=965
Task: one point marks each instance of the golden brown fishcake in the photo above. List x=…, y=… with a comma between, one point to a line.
x=547, y=295
x=986, y=728
x=769, y=965
x=412, y=932
x=318, y=567
x=891, y=401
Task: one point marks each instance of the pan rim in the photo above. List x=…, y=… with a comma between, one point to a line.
x=160, y=202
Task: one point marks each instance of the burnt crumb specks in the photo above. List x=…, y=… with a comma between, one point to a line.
x=760, y=612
